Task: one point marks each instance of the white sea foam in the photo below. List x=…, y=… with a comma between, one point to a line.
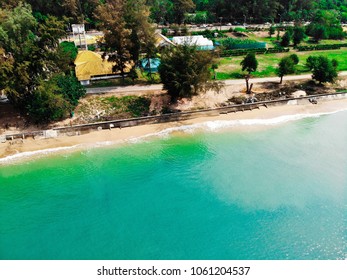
x=222, y=124
x=34, y=154
x=25, y=155
x=205, y=126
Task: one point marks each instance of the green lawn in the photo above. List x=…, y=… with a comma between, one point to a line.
x=143, y=78
x=271, y=42
x=229, y=67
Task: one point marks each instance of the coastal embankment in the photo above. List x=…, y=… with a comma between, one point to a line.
x=247, y=116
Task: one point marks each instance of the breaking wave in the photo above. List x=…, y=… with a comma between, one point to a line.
x=204, y=126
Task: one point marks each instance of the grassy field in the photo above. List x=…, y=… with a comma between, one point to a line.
x=229, y=67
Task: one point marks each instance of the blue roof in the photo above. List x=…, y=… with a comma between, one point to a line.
x=153, y=63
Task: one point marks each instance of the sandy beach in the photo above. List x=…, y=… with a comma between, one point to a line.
x=29, y=147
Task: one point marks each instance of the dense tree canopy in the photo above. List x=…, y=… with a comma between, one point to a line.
x=287, y=66
x=249, y=63
x=185, y=71
x=31, y=58
x=116, y=34
x=128, y=32
x=250, y=11
x=35, y=69
x=323, y=69
x=175, y=11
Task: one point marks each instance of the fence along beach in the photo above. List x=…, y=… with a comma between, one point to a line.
x=117, y=132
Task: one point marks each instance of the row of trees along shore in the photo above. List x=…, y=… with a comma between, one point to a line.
x=323, y=69
x=37, y=73
x=197, y=11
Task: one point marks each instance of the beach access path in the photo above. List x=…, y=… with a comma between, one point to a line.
x=158, y=87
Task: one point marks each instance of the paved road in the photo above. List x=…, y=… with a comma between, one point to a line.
x=158, y=87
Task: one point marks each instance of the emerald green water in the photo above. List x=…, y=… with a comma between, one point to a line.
x=278, y=193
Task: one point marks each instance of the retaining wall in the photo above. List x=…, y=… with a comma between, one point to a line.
x=180, y=116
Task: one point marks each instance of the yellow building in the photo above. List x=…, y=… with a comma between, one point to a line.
x=91, y=66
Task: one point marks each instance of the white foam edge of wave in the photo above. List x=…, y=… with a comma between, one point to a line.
x=222, y=124
x=205, y=126
x=39, y=153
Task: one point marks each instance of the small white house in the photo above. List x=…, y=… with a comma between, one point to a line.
x=199, y=41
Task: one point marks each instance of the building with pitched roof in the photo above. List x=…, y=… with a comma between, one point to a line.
x=91, y=66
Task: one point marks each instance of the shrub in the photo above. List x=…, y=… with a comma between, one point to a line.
x=295, y=58
x=91, y=48
x=239, y=29
x=231, y=44
x=323, y=69
x=164, y=31
x=336, y=33
x=285, y=39
x=320, y=47
x=69, y=48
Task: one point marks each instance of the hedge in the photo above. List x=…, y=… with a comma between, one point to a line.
x=241, y=52
x=277, y=50
x=234, y=44
x=321, y=47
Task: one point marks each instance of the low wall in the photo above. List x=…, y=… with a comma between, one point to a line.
x=180, y=116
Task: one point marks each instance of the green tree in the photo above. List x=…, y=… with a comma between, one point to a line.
x=69, y=49
x=33, y=48
x=70, y=88
x=116, y=35
x=143, y=33
x=272, y=30
x=46, y=105
x=185, y=71
x=128, y=32
x=286, y=66
x=32, y=58
x=295, y=58
x=73, y=10
x=249, y=64
x=278, y=33
x=214, y=67
x=160, y=10
x=180, y=7
x=298, y=35
x=325, y=24
x=6, y=69
x=67, y=53
x=323, y=69
x=285, y=39
x=318, y=32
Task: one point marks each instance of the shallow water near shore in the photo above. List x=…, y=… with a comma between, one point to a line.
x=279, y=193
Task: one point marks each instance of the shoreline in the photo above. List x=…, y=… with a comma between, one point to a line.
x=264, y=117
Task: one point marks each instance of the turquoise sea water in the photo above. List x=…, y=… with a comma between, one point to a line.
x=274, y=193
